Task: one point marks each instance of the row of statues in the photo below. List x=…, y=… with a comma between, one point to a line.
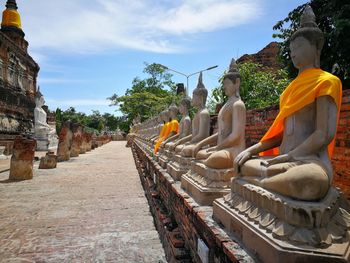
x=286, y=177
x=302, y=136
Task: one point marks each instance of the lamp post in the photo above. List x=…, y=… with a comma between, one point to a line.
x=187, y=75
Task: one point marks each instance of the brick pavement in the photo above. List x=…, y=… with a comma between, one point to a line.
x=90, y=209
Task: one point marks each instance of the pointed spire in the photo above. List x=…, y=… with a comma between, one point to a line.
x=233, y=71
x=200, y=84
x=233, y=66
x=200, y=78
x=11, y=4
x=308, y=18
x=38, y=93
x=11, y=19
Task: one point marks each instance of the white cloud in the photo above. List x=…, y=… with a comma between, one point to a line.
x=99, y=25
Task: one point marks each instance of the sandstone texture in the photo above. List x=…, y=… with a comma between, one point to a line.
x=21, y=167
x=90, y=209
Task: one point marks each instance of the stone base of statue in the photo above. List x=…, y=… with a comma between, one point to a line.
x=46, y=144
x=179, y=166
x=280, y=229
x=49, y=161
x=21, y=167
x=45, y=139
x=205, y=184
x=165, y=158
x=42, y=144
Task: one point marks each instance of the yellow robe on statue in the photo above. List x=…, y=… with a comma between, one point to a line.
x=303, y=90
x=169, y=127
x=174, y=126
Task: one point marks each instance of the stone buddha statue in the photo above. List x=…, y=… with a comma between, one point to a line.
x=229, y=141
x=185, y=125
x=165, y=131
x=174, y=125
x=210, y=174
x=44, y=134
x=177, y=131
x=200, y=122
x=159, y=127
x=305, y=128
x=282, y=205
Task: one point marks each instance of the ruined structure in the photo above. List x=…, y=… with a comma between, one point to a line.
x=18, y=76
x=267, y=57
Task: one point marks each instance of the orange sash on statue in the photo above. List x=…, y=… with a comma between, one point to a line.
x=169, y=127
x=303, y=90
x=174, y=126
x=161, y=136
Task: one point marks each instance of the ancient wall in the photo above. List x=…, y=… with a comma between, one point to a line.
x=18, y=74
x=266, y=57
x=259, y=120
x=180, y=222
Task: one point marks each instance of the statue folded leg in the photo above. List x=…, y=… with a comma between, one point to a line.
x=305, y=180
x=220, y=160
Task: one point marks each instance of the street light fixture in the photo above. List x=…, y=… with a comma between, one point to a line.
x=189, y=75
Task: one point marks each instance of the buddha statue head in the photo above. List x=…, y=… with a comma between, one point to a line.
x=165, y=116
x=39, y=98
x=200, y=94
x=173, y=110
x=306, y=43
x=232, y=80
x=185, y=104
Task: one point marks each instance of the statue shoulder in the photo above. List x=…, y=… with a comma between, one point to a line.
x=239, y=104
x=204, y=112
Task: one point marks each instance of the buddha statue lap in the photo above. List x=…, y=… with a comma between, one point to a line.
x=212, y=169
x=283, y=197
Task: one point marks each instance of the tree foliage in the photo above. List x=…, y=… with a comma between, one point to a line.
x=333, y=18
x=146, y=97
x=95, y=122
x=259, y=88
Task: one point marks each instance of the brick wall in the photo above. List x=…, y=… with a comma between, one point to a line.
x=259, y=120
x=180, y=221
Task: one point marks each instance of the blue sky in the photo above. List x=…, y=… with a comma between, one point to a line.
x=89, y=49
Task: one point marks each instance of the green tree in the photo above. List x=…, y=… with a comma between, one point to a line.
x=111, y=121
x=146, y=97
x=95, y=122
x=259, y=88
x=333, y=18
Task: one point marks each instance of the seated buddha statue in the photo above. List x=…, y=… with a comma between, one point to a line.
x=45, y=134
x=165, y=131
x=158, y=128
x=174, y=124
x=295, y=152
x=229, y=141
x=185, y=125
x=200, y=122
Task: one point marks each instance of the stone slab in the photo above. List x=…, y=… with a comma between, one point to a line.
x=89, y=209
x=202, y=195
x=269, y=249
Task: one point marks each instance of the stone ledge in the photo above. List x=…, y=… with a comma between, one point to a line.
x=193, y=221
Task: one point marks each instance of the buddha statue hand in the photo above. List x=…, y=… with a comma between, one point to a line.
x=195, y=151
x=240, y=159
x=208, y=150
x=279, y=159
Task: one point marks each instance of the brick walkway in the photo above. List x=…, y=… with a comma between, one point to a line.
x=90, y=209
